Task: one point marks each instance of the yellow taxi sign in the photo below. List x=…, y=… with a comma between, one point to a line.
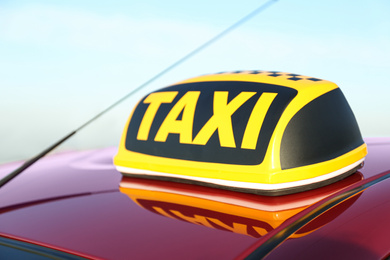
x=254, y=131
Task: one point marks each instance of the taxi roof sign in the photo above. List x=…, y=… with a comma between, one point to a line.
x=260, y=132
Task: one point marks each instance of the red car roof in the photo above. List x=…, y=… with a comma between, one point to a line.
x=72, y=202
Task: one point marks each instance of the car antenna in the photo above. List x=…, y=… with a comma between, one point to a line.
x=31, y=161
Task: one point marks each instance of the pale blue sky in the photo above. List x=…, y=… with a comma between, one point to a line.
x=61, y=62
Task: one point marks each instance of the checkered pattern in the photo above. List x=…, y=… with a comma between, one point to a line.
x=288, y=76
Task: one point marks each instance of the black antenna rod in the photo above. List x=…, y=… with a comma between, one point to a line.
x=184, y=58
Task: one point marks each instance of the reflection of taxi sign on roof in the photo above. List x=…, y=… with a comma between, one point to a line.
x=254, y=131
x=246, y=214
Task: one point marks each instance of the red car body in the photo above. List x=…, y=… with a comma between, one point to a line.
x=72, y=202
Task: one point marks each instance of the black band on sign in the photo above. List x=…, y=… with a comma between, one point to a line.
x=322, y=130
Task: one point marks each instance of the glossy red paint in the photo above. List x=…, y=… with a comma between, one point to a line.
x=358, y=233
x=97, y=220
x=361, y=232
x=72, y=202
x=61, y=175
